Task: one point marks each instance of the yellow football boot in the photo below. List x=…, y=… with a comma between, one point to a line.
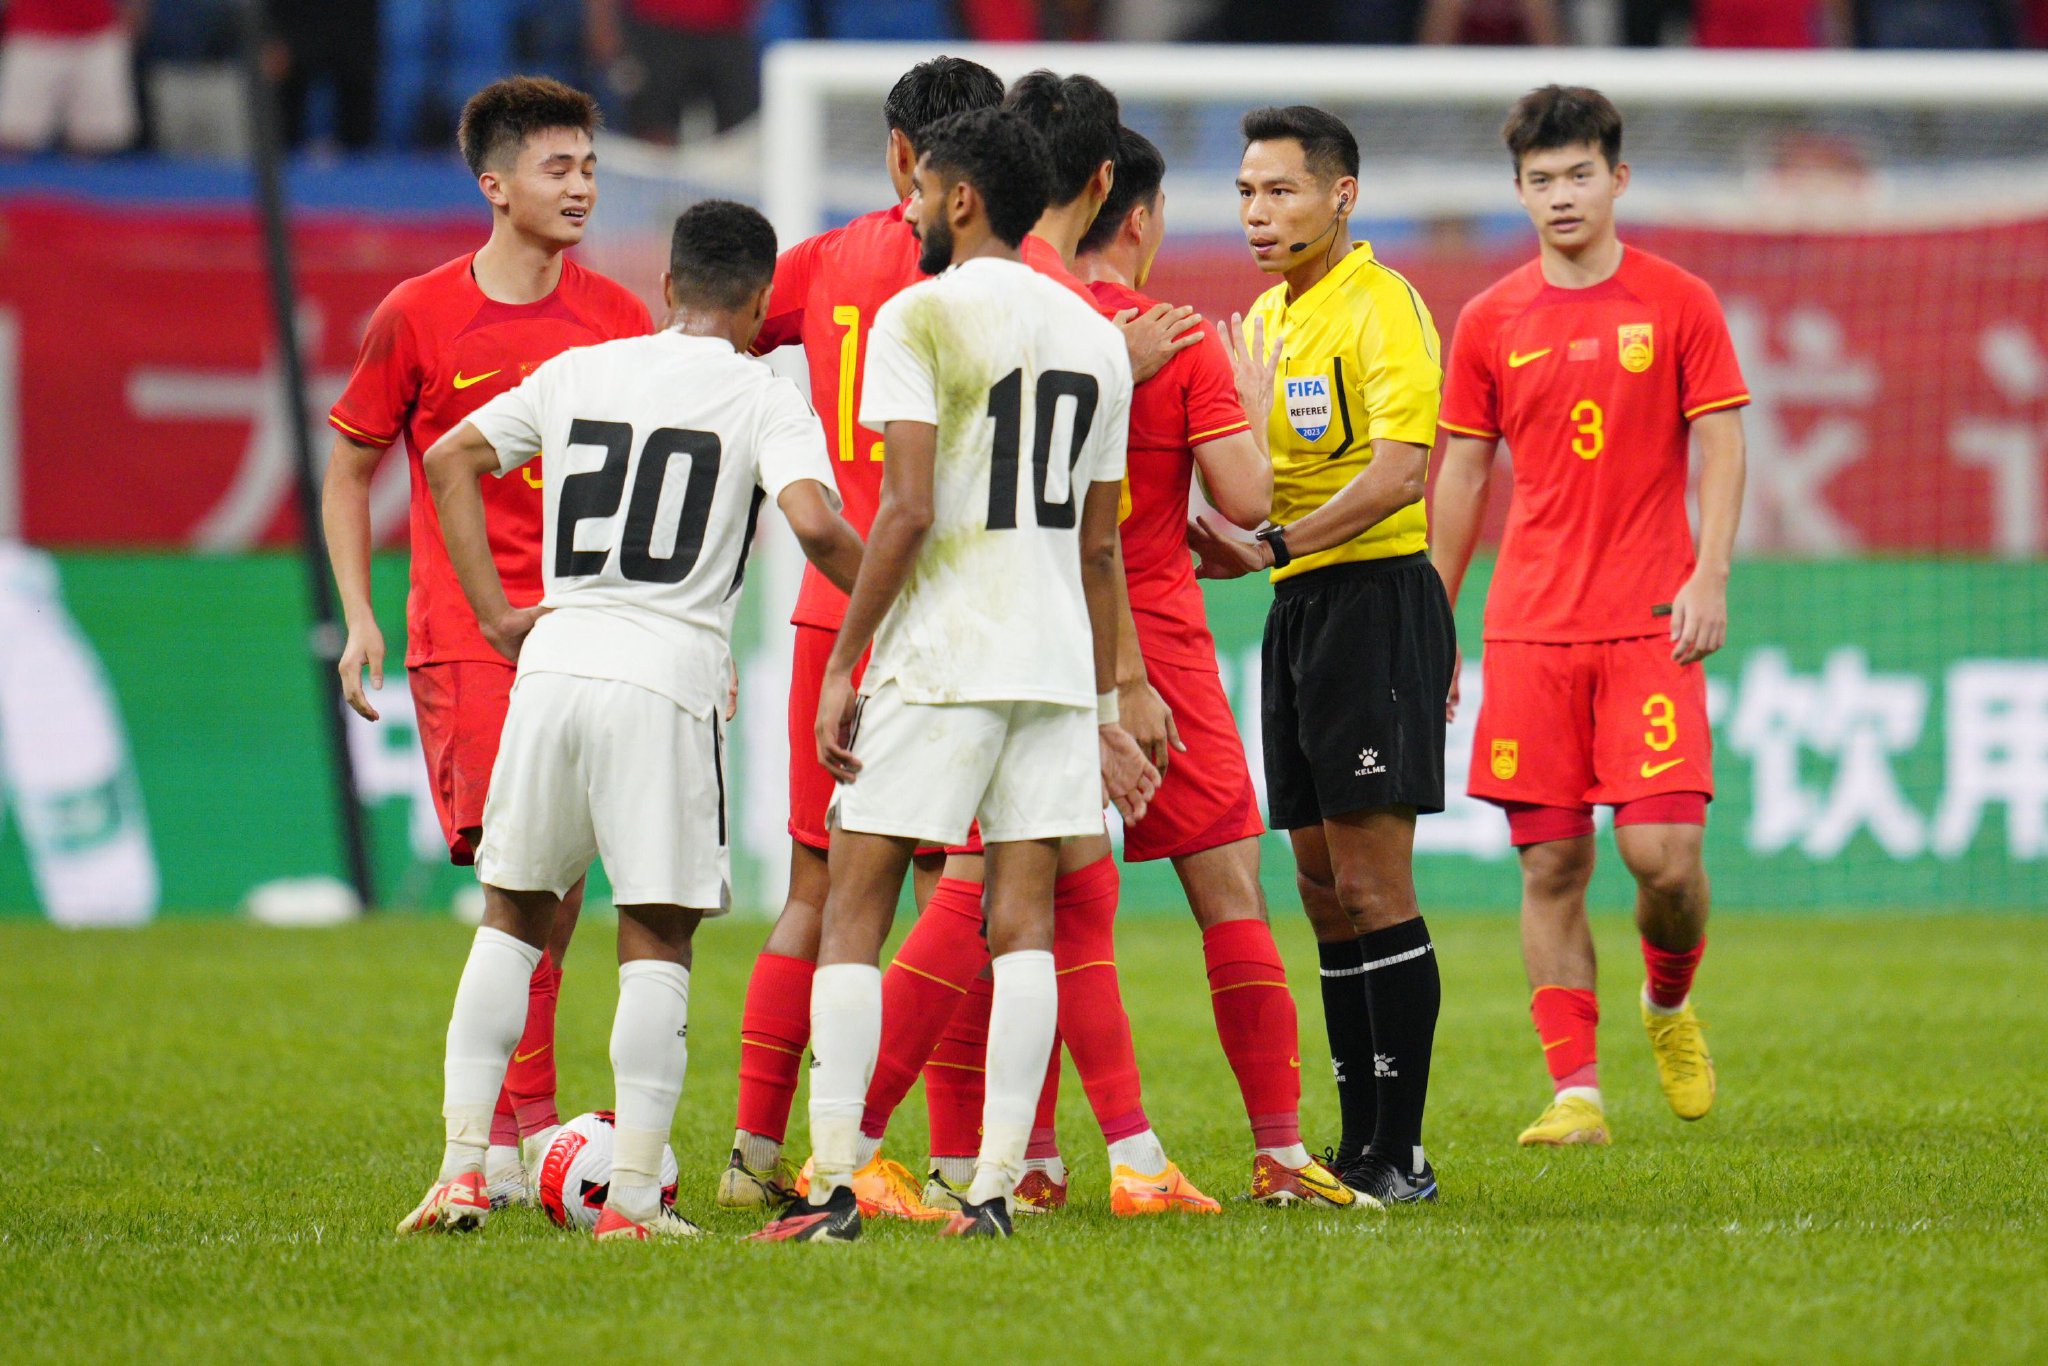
x=1684, y=1068
x=883, y=1189
x=1566, y=1121
x=1169, y=1192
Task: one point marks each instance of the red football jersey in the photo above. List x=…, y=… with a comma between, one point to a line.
x=434, y=351
x=827, y=289
x=1191, y=400
x=1595, y=391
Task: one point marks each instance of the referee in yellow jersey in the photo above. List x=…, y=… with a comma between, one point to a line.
x=1359, y=641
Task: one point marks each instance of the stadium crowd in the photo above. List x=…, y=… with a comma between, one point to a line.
x=100, y=77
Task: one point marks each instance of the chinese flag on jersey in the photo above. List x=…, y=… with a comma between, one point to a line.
x=434, y=351
x=1595, y=391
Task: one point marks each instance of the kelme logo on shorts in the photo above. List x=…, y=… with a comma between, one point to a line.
x=1308, y=406
x=1369, y=764
x=1506, y=759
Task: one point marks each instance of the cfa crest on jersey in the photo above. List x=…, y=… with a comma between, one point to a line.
x=1636, y=351
x=1506, y=759
x=1308, y=406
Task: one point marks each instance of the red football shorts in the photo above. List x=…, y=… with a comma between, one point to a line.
x=810, y=786
x=1206, y=798
x=460, y=708
x=1574, y=726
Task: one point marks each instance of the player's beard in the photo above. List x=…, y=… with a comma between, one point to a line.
x=935, y=242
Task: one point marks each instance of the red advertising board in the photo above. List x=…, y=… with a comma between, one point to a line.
x=1901, y=378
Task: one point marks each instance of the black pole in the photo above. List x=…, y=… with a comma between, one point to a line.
x=326, y=636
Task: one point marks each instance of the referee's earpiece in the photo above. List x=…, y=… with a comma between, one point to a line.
x=1343, y=203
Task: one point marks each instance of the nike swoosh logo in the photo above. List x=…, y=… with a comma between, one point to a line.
x=1295, y=1063
x=1651, y=770
x=463, y=382
x=1516, y=362
x=529, y=1057
x=1559, y=1044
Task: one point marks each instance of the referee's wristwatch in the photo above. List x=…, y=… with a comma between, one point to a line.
x=1275, y=537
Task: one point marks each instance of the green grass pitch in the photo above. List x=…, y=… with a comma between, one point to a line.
x=210, y=1130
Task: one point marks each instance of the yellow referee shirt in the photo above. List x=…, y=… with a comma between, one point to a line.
x=1362, y=362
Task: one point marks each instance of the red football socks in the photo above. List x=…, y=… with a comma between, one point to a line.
x=775, y=1027
x=526, y=1105
x=1567, y=1022
x=1256, y=1023
x=955, y=1080
x=940, y=959
x=1671, y=973
x=1093, y=1024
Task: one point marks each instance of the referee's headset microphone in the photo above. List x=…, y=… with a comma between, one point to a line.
x=1343, y=203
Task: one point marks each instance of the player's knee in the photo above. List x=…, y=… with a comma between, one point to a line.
x=1557, y=870
x=1669, y=876
x=1371, y=902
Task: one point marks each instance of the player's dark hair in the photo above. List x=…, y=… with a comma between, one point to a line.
x=499, y=118
x=1078, y=118
x=1139, y=170
x=1001, y=155
x=1562, y=116
x=933, y=89
x=720, y=254
x=1327, y=146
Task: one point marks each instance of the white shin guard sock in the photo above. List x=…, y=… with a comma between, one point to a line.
x=1021, y=1023
x=650, y=1053
x=483, y=1029
x=846, y=1038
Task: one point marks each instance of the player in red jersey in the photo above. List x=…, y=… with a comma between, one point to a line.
x=1598, y=364
x=826, y=292
x=437, y=347
x=1205, y=816
x=936, y=1002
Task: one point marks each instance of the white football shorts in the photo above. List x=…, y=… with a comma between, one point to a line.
x=589, y=767
x=1025, y=770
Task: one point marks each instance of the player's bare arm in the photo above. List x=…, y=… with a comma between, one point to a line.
x=1128, y=777
x=1455, y=514
x=902, y=519
x=345, y=518
x=828, y=539
x=1155, y=337
x=1699, y=614
x=452, y=466
x=1141, y=710
x=1237, y=478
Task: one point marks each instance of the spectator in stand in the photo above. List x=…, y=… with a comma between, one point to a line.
x=1770, y=23
x=1492, y=23
x=1965, y=24
x=667, y=56
x=331, y=43
x=67, y=74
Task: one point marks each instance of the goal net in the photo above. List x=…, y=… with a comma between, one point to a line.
x=1877, y=228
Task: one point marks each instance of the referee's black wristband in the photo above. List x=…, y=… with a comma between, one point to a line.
x=1275, y=538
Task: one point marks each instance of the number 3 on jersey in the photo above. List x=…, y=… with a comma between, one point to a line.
x=1592, y=429
x=1006, y=406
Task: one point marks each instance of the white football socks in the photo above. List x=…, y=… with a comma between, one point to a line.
x=846, y=1038
x=1295, y=1155
x=1142, y=1153
x=758, y=1152
x=483, y=1029
x=1021, y=1023
x=650, y=1053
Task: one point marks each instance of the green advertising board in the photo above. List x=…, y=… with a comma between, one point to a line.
x=1881, y=741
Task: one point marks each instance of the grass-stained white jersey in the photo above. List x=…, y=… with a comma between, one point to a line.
x=660, y=452
x=1030, y=390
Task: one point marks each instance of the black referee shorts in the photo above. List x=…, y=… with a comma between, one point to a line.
x=1356, y=669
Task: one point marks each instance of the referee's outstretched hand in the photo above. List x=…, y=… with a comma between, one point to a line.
x=1252, y=364
x=1221, y=555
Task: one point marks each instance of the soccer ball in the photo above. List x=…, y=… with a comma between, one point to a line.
x=576, y=1171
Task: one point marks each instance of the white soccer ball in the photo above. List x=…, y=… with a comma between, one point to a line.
x=576, y=1171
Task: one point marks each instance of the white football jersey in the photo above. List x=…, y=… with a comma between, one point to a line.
x=660, y=452
x=1030, y=389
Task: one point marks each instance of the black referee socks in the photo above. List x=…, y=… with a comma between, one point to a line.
x=1402, y=992
x=1348, y=1019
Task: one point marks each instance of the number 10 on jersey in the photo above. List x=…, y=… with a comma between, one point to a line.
x=1053, y=500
